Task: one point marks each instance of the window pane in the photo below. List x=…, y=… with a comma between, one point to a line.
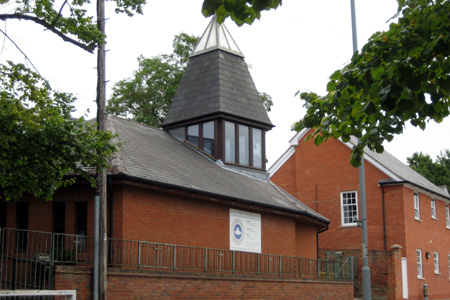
x=416, y=206
x=436, y=262
x=230, y=143
x=447, y=215
x=257, y=148
x=433, y=208
x=193, y=134
x=2, y=214
x=208, y=137
x=349, y=206
x=419, y=263
x=243, y=145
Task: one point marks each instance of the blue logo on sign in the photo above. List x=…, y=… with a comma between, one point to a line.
x=238, y=231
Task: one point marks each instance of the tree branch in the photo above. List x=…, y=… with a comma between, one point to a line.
x=26, y=57
x=89, y=48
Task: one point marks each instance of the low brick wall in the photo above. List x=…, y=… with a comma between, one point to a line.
x=142, y=284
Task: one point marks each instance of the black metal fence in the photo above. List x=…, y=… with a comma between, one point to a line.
x=27, y=259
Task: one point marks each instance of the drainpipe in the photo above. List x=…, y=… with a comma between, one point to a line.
x=384, y=216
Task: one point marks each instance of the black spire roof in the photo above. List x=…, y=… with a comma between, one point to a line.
x=217, y=82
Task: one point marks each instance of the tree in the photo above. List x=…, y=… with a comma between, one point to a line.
x=437, y=171
x=147, y=96
x=39, y=141
x=400, y=76
x=70, y=21
x=240, y=11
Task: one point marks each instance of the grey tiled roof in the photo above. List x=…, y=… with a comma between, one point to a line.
x=398, y=171
x=154, y=156
x=217, y=82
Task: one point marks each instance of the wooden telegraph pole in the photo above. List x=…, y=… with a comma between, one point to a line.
x=101, y=176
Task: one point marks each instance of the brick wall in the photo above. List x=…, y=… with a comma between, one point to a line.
x=321, y=174
x=149, y=213
x=157, y=216
x=151, y=285
x=317, y=175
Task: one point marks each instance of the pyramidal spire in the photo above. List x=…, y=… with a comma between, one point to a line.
x=216, y=36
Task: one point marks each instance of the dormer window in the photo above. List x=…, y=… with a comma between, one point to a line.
x=231, y=142
x=246, y=142
x=202, y=136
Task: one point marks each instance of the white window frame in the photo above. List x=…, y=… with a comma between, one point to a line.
x=447, y=215
x=419, y=263
x=449, y=266
x=433, y=208
x=416, y=206
x=436, y=263
x=343, y=209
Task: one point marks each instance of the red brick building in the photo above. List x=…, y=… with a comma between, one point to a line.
x=201, y=182
x=403, y=208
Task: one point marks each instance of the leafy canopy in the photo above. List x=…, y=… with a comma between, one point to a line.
x=240, y=11
x=40, y=142
x=401, y=75
x=437, y=171
x=70, y=20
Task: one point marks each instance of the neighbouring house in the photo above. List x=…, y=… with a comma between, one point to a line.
x=186, y=202
x=403, y=209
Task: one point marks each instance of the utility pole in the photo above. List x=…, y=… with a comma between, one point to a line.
x=362, y=187
x=101, y=176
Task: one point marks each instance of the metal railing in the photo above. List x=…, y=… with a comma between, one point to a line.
x=141, y=255
x=27, y=259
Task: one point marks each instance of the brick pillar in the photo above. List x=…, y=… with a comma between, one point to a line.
x=394, y=286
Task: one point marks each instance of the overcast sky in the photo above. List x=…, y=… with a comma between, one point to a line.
x=297, y=47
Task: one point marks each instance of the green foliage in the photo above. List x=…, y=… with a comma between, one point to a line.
x=267, y=100
x=71, y=21
x=437, y=171
x=40, y=142
x=401, y=75
x=240, y=11
x=147, y=96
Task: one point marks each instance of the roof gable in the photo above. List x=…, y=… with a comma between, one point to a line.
x=397, y=171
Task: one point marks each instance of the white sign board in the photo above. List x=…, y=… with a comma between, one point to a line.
x=245, y=231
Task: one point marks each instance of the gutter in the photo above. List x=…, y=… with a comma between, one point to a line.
x=393, y=182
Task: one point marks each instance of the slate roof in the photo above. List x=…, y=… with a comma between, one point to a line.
x=397, y=171
x=154, y=156
x=217, y=82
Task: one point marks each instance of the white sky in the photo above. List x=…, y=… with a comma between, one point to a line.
x=297, y=47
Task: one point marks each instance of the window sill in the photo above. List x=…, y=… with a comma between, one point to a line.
x=349, y=226
x=437, y=273
x=418, y=220
x=436, y=219
x=420, y=278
